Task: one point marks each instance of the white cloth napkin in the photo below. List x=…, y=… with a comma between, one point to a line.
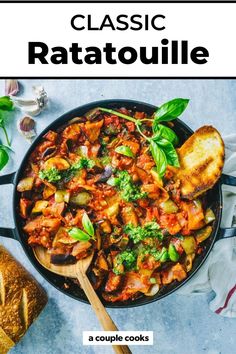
x=218, y=273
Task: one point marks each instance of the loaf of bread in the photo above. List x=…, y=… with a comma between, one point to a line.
x=21, y=300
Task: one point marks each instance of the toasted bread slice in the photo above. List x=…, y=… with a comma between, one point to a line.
x=201, y=162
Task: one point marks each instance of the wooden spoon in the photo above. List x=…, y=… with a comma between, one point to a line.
x=78, y=270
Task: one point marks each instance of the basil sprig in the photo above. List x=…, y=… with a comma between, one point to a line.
x=86, y=234
x=163, y=141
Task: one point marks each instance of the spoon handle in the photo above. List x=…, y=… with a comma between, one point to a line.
x=99, y=309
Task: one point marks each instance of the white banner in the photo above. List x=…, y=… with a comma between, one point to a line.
x=117, y=337
x=30, y=29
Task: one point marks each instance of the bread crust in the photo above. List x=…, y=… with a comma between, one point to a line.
x=201, y=162
x=21, y=299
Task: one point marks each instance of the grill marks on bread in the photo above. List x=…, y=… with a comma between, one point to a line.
x=201, y=160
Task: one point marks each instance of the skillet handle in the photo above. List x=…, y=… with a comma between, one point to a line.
x=7, y=179
x=228, y=231
x=4, y=231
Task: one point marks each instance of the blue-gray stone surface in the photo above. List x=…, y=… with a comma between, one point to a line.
x=181, y=324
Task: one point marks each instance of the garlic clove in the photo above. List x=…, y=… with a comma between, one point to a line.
x=26, y=126
x=11, y=87
x=33, y=106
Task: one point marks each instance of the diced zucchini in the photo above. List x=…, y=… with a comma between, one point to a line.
x=39, y=206
x=48, y=192
x=203, y=234
x=209, y=216
x=62, y=196
x=26, y=184
x=198, y=203
x=169, y=207
x=189, y=244
x=113, y=210
x=82, y=198
x=173, y=254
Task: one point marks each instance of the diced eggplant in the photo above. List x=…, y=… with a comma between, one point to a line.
x=62, y=236
x=93, y=114
x=93, y=130
x=106, y=226
x=56, y=162
x=105, y=175
x=189, y=261
x=69, y=144
x=81, y=248
x=51, y=136
x=26, y=184
x=101, y=261
x=203, y=234
x=96, y=280
x=25, y=204
x=115, y=142
x=123, y=242
x=81, y=199
x=113, y=282
x=62, y=196
x=98, y=240
x=129, y=216
x=39, y=206
x=49, y=152
x=41, y=222
x=62, y=259
x=169, y=207
x=153, y=290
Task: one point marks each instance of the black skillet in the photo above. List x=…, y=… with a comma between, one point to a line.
x=214, y=200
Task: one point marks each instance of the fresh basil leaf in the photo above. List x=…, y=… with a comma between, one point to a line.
x=170, y=152
x=88, y=226
x=170, y=110
x=166, y=133
x=6, y=103
x=124, y=150
x=4, y=158
x=78, y=234
x=159, y=158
